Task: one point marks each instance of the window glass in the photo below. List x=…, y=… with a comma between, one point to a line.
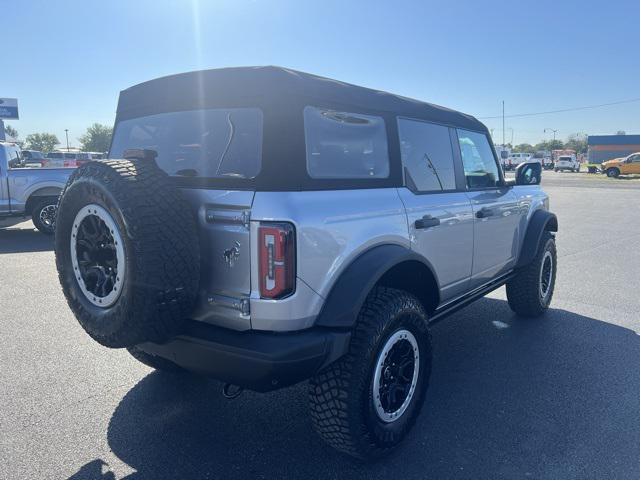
x=70, y=155
x=14, y=157
x=213, y=143
x=480, y=168
x=54, y=155
x=426, y=155
x=345, y=145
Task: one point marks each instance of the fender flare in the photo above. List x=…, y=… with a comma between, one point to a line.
x=541, y=221
x=345, y=300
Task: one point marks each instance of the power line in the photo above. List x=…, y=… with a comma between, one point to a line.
x=586, y=107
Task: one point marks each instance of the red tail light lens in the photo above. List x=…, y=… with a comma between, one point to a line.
x=277, y=259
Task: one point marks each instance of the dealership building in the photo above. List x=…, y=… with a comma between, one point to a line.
x=606, y=147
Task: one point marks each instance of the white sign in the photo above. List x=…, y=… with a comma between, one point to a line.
x=9, y=108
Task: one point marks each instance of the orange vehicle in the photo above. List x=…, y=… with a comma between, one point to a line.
x=622, y=166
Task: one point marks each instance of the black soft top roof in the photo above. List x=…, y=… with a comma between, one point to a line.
x=273, y=88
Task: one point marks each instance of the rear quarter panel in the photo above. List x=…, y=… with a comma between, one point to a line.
x=23, y=182
x=333, y=227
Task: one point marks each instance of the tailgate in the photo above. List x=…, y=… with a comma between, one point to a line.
x=225, y=248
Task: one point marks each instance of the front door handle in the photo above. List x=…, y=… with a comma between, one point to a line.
x=427, y=221
x=484, y=213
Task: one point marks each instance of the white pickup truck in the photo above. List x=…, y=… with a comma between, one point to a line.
x=28, y=192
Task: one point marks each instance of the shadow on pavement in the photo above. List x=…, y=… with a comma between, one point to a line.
x=18, y=240
x=550, y=398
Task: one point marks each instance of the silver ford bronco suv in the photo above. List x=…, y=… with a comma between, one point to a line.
x=264, y=226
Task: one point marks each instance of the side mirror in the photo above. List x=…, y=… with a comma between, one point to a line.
x=528, y=174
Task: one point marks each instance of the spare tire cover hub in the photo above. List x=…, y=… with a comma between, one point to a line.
x=97, y=255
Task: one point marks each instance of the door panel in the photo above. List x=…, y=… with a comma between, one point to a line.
x=496, y=232
x=448, y=246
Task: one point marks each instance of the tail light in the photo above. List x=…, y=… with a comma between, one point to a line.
x=277, y=258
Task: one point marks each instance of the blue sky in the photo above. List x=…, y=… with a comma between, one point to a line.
x=67, y=60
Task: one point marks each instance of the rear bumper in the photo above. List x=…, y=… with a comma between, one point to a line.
x=255, y=360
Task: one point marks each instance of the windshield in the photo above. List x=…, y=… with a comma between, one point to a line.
x=564, y=159
x=197, y=143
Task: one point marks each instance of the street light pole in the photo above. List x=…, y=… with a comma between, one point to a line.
x=551, y=130
x=503, y=124
x=66, y=132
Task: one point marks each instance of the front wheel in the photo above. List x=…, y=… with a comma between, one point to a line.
x=529, y=293
x=43, y=215
x=613, y=173
x=365, y=403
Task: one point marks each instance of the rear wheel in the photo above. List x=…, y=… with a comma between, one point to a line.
x=530, y=292
x=613, y=172
x=43, y=214
x=365, y=403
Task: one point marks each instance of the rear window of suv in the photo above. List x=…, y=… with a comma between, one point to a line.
x=345, y=145
x=214, y=143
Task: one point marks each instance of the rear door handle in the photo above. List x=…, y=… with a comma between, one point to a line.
x=427, y=221
x=484, y=213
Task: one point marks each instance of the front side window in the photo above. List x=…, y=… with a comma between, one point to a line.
x=480, y=167
x=426, y=154
x=345, y=145
x=215, y=143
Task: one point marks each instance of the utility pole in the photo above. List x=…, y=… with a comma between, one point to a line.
x=66, y=132
x=551, y=130
x=503, y=124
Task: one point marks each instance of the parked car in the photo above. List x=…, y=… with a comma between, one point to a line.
x=567, y=162
x=622, y=166
x=34, y=157
x=292, y=227
x=84, y=157
x=516, y=159
x=28, y=192
x=60, y=159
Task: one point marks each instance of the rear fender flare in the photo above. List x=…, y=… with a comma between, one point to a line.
x=345, y=300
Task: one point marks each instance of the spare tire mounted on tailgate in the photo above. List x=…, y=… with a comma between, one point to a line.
x=127, y=252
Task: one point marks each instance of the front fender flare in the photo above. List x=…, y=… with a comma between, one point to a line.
x=541, y=221
x=343, y=304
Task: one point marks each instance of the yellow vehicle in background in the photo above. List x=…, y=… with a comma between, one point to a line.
x=622, y=166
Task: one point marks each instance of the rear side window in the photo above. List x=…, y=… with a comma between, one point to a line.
x=215, y=143
x=345, y=145
x=480, y=167
x=427, y=155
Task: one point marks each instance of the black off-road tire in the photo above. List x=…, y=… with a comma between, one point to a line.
x=37, y=208
x=613, y=172
x=524, y=290
x=341, y=396
x=157, y=363
x=161, y=251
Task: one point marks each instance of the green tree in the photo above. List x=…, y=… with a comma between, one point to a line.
x=524, y=148
x=549, y=145
x=12, y=132
x=45, y=142
x=576, y=142
x=97, y=138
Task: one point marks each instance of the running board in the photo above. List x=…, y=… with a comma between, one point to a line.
x=447, y=309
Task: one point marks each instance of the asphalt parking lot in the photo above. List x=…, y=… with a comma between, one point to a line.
x=556, y=398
